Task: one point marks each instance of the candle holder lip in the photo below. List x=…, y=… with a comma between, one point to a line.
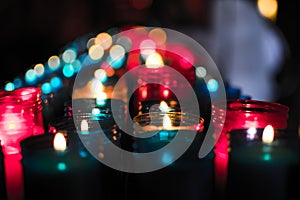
x=179, y=120
x=256, y=105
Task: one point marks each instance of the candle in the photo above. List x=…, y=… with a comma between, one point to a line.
x=84, y=119
x=260, y=160
x=248, y=115
x=16, y=123
x=57, y=166
x=186, y=178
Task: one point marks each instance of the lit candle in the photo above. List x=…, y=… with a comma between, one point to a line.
x=186, y=178
x=242, y=114
x=260, y=160
x=57, y=166
x=84, y=119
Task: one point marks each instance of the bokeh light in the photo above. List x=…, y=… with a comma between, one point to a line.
x=158, y=35
x=147, y=48
x=30, y=77
x=268, y=8
x=100, y=75
x=56, y=82
x=201, y=72
x=39, y=69
x=68, y=70
x=46, y=88
x=54, y=62
x=96, y=52
x=154, y=61
x=69, y=55
x=212, y=85
x=9, y=86
x=103, y=39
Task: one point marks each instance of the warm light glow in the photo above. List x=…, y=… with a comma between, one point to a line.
x=96, y=52
x=84, y=126
x=147, y=48
x=163, y=106
x=268, y=8
x=167, y=124
x=268, y=134
x=100, y=74
x=53, y=62
x=104, y=39
x=117, y=52
x=158, y=35
x=166, y=93
x=39, y=69
x=59, y=142
x=154, y=61
x=144, y=93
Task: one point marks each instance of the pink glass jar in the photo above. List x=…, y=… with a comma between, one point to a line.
x=242, y=114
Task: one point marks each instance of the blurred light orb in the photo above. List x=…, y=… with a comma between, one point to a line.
x=100, y=75
x=154, y=60
x=158, y=35
x=76, y=65
x=268, y=8
x=39, y=69
x=201, y=72
x=30, y=76
x=69, y=55
x=96, y=52
x=54, y=62
x=9, y=86
x=212, y=85
x=147, y=47
x=46, y=88
x=116, y=52
x=56, y=82
x=68, y=70
x=103, y=39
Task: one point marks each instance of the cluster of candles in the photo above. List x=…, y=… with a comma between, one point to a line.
x=63, y=160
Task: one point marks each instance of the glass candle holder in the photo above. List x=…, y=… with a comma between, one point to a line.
x=83, y=116
x=188, y=177
x=59, y=168
x=161, y=83
x=88, y=114
x=32, y=96
x=16, y=124
x=248, y=116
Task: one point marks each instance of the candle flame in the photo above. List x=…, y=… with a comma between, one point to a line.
x=59, y=142
x=167, y=124
x=268, y=134
x=84, y=126
x=154, y=61
x=163, y=106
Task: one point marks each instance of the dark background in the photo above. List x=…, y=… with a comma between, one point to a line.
x=33, y=30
